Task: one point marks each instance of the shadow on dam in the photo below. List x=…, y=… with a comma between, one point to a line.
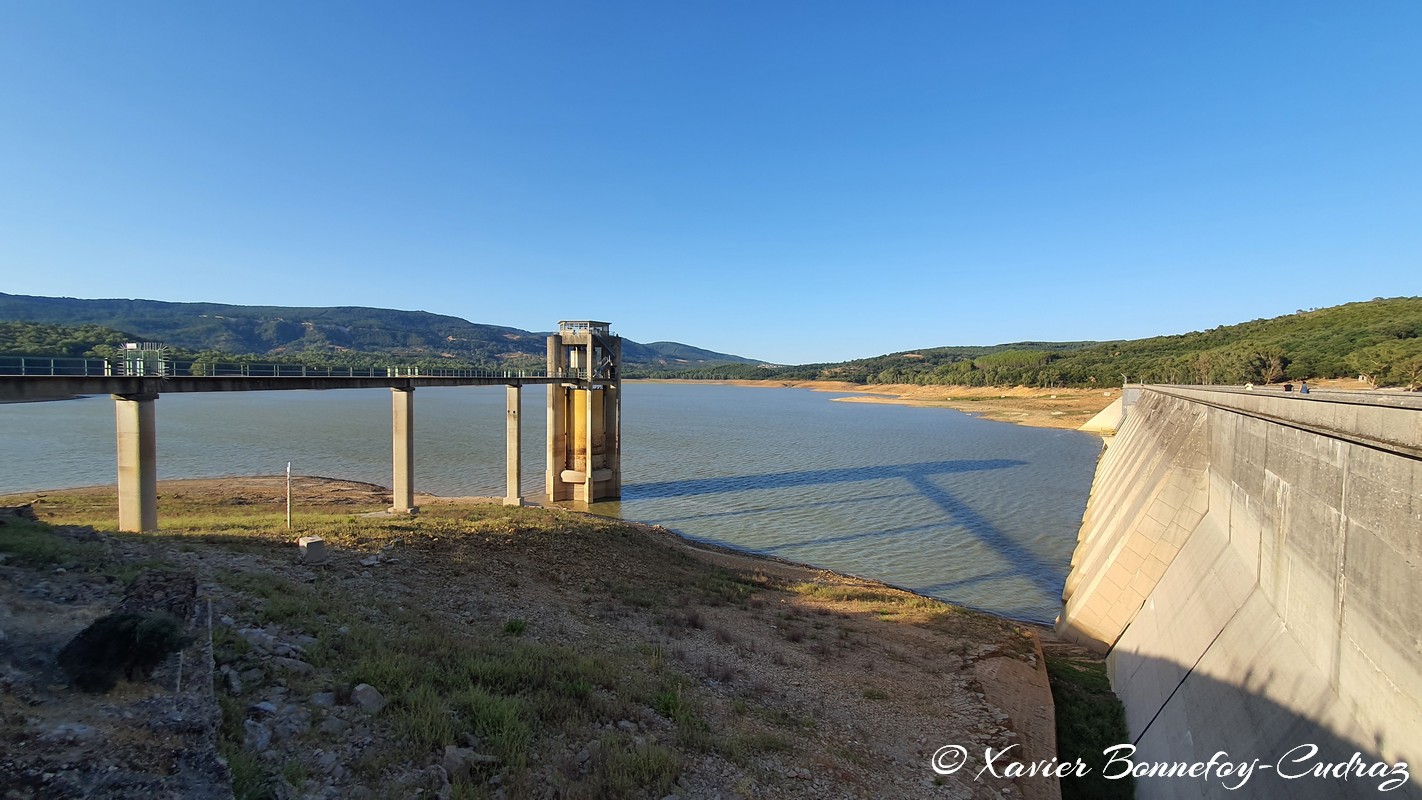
x=1012, y=560
x=1288, y=753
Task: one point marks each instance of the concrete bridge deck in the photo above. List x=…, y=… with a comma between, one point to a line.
x=27, y=378
x=25, y=388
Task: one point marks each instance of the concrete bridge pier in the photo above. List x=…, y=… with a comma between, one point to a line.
x=137, y=462
x=513, y=495
x=402, y=414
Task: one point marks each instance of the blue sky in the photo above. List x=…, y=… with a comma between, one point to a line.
x=793, y=181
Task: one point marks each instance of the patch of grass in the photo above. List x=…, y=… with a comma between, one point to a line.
x=288, y=602
x=36, y=545
x=875, y=694
x=656, y=656
x=296, y=606
x=128, y=571
x=668, y=702
x=233, y=712
x=742, y=748
x=421, y=716
x=853, y=755
x=295, y=773
x=675, y=701
x=441, y=685
x=720, y=587
x=97, y=511
x=862, y=594
x=249, y=782
x=515, y=627
x=500, y=689
x=629, y=769
x=1090, y=718
x=578, y=688
x=789, y=720
x=638, y=595
x=500, y=720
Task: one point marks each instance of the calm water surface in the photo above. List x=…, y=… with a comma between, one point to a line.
x=980, y=513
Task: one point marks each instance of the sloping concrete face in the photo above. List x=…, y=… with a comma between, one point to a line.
x=1254, y=566
x=1145, y=502
x=1107, y=420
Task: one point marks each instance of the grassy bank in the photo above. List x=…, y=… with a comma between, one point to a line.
x=1090, y=719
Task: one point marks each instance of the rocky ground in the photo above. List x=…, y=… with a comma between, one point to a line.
x=481, y=651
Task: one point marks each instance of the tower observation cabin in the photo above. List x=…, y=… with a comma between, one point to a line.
x=585, y=413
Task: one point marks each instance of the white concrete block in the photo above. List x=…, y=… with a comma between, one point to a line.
x=313, y=549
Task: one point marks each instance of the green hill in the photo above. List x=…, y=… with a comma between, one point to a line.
x=1381, y=339
x=343, y=335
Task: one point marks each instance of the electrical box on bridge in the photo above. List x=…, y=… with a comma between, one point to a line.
x=145, y=360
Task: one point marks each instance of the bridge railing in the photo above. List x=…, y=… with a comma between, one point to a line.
x=39, y=366
x=59, y=367
x=249, y=370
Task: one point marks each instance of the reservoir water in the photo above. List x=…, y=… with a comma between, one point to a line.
x=979, y=513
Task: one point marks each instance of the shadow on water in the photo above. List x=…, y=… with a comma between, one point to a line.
x=812, y=477
x=742, y=512
x=1027, y=565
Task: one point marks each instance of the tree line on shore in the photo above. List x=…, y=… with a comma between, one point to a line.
x=1379, y=340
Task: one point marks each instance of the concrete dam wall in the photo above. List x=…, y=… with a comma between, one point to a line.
x=1253, y=563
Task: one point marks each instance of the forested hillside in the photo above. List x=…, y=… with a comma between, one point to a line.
x=345, y=336
x=32, y=338
x=1380, y=339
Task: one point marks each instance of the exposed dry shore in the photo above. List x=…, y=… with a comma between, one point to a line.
x=617, y=659
x=1041, y=408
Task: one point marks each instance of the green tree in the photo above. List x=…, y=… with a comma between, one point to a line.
x=1392, y=363
x=1271, y=363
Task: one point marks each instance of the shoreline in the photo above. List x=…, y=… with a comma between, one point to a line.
x=320, y=490
x=1060, y=409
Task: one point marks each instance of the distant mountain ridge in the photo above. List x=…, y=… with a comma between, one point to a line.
x=283, y=331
